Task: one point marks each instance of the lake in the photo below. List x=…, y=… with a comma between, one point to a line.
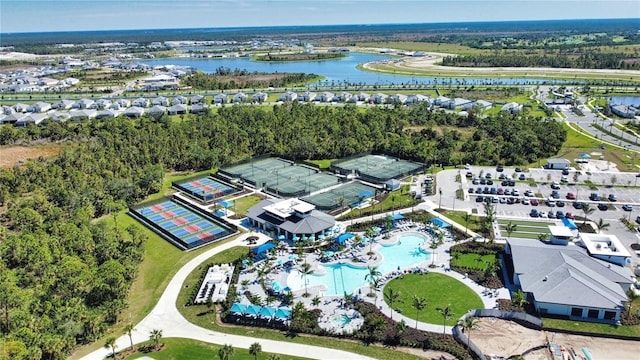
x=338, y=71
x=624, y=100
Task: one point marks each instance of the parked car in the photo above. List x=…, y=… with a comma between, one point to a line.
x=560, y=203
x=525, y=201
x=571, y=196
x=500, y=191
x=467, y=166
x=511, y=200
x=487, y=175
x=603, y=206
x=512, y=182
x=560, y=214
x=479, y=190
x=518, y=169
x=494, y=191
x=470, y=190
x=486, y=190
x=551, y=215
x=565, y=171
x=578, y=204
x=551, y=202
x=515, y=192
x=638, y=219
x=528, y=192
x=500, y=168
x=555, y=185
x=476, y=181
x=542, y=214
x=479, y=198
x=627, y=207
x=507, y=192
x=534, y=213
x=594, y=197
x=564, y=179
x=612, y=197
x=569, y=216
x=522, y=177
x=555, y=194
x=494, y=199
x=489, y=182
x=469, y=174
x=503, y=200
x=483, y=181
x=535, y=202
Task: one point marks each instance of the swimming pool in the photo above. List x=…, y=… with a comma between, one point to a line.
x=340, y=320
x=341, y=278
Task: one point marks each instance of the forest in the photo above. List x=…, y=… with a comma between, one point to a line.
x=591, y=60
x=64, y=277
x=225, y=78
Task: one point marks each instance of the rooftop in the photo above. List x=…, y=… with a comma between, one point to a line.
x=604, y=244
x=560, y=231
x=286, y=208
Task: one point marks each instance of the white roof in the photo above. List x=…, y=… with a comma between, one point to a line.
x=286, y=208
x=604, y=244
x=560, y=231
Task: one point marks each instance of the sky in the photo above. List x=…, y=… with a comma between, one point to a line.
x=73, y=15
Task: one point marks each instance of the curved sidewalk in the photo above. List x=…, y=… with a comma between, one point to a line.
x=165, y=316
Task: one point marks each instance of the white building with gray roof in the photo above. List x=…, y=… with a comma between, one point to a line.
x=565, y=280
x=292, y=218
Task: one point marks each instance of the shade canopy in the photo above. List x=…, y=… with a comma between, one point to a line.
x=376, y=229
x=365, y=194
x=283, y=313
x=440, y=223
x=264, y=247
x=585, y=156
x=281, y=237
x=397, y=217
x=253, y=310
x=267, y=311
x=344, y=237
x=225, y=203
x=569, y=223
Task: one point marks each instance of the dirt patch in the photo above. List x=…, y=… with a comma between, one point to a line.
x=507, y=338
x=427, y=354
x=12, y=155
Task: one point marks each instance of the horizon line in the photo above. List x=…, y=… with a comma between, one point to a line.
x=249, y=27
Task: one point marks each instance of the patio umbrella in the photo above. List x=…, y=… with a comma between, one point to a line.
x=321, y=237
x=267, y=312
x=281, y=237
x=283, y=313
x=312, y=237
x=296, y=238
x=252, y=310
x=238, y=308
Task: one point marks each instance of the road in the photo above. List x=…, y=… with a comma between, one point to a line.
x=166, y=317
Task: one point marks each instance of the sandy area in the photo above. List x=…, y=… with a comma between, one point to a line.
x=17, y=56
x=507, y=338
x=9, y=156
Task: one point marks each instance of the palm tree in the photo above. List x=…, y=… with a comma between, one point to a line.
x=110, y=344
x=511, y=227
x=446, y=315
x=393, y=203
x=434, y=247
x=128, y=330
x=467, y=218
x=341, y=202
x=305, y=270
x=155, y=335
x=519, y=299
x=225, y=352
x=602, y=225
x=371, y=277
x=419, y=303
x=255, y=349
x=315, y=301
x=370, y=233
x=467, y=325
x=273, y=357
x=587, y=210
x=391, y=297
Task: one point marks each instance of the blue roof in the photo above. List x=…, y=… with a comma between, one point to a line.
x=440, y=222
x=569, y=223
x=264, y=247
x=225, y=203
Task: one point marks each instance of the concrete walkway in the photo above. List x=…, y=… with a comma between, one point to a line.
x=165, y=316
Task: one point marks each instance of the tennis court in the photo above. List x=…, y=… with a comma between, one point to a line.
x=206, y=189
x=184, y=226
x=281, y=177
x=352, y=193
x=377, y=168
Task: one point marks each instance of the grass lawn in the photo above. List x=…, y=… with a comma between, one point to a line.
x=533, y=236
x=199, y=315
x=573, y=325
x=245, y=203
x=178, y=348
x=324, y=164
x=471, y=261
x=458, y=217
x=537, y=224
x=440, y=291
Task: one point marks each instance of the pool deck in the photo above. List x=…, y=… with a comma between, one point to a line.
x=285, y=268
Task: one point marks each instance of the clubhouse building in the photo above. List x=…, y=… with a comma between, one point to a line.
x=569, y=280
x=291, y=219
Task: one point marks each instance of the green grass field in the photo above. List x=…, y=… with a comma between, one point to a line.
x=178, y=349
x=473, y=261
x=458, y=217
x=245, y=203
x=440, y=291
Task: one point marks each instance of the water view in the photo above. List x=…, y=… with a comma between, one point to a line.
x=345, y=278
x=337, y=72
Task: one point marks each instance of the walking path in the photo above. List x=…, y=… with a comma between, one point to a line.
x=166, y=317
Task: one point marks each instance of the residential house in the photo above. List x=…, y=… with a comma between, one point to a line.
x=178, y=109
x=13, y=118
x=134, y=112
x=239, y=98
x=198, y=108
x=64, y=104
x=307, y=96
x=220, y=99
x=40, y=107
x=397, y=99
x=259, y=97
x=84, y=104
x=20, y=108
x=460, y=103
x=288, y=96
x=379, y=98
x=160, y=100
x=60, y=116
x=624, y=111
x=326, y=96
x=101, y=104
x=157, y=110
x=417, y=98
x=363, y=96
x=441, y=100
x=82, y=114
x=179, y=100
x=512, y=107
x=343, y=97
x=108, y=113
x=124, y=103
x=141, y=102
x=197, y=99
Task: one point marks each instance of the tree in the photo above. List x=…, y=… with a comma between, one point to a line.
x=315, y=301
x=419, y=303
x=510, y=228
x=273, y=357
x=446, y=315
x=587, y=210
x=255, y=349
x=468, y=324
x=602, y=225
x=371, y=276
x=391, y=297
x=225, y=352
x=519, y=298
x=110, y=344
x=401, y=329
x=128, y=329
x=155, y=335
x=370, y=234
x=305, y=270
x=467, y=218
